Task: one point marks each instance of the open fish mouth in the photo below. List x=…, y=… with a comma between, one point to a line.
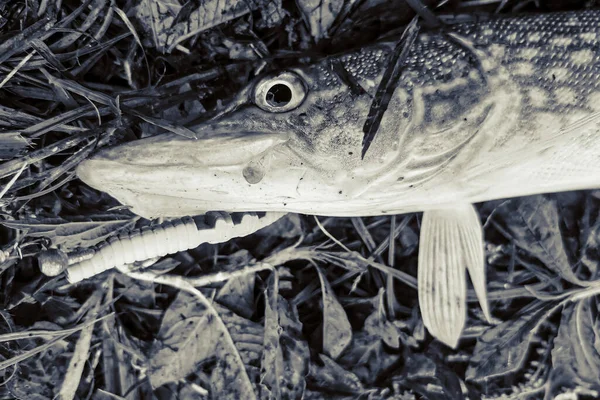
x=173, y=177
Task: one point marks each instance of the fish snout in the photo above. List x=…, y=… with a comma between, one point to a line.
x=140, y=162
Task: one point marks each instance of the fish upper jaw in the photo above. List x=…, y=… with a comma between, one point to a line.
x=172, y=165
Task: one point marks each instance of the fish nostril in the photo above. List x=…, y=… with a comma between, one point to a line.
x=253, y=174
x=279, y=95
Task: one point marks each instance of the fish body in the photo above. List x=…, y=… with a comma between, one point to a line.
x=488, y=109
x=496, y=108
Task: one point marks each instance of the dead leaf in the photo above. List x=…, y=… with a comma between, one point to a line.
x=576, y=352
x=70, y=235
x=431, y=379
x=337, y=331
x=503, y=349
x=390, y=332
x=229, y=380
x=12, y=144
x=81, y=353
x=286, y=353
x=332, y=377
x=169, y=126
x=534, y=223
x=320, y=15
x=119, y=375
x=190, y=335
x=591, y=249
x=238, y=292
x=367, y=357
x=135, y=291
x=38, y=377
x=377, y=324
x=169, y=23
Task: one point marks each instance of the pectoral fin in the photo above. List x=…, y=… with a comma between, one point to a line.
x=451, y=243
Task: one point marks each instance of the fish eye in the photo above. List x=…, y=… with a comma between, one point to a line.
x=280, y=93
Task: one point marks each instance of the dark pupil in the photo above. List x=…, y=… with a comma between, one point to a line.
x=279, y=95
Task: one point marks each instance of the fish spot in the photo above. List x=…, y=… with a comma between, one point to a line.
x=538, y=97
x=528, y=53
x=512, y=38
x=588, y=37
x=593, y=101
x=534, y=37
x=252, y=174
x=582, y=57
x=561, y=41
x=559, y=74
x=523, y=68
x=566, y=96
x=572, y=21
x=487, y=32
x=439, y=111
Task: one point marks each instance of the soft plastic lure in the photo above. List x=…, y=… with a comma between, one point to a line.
x=487, y=109
x=156, y=241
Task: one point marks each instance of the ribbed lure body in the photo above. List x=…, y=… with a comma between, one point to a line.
x=167, y=238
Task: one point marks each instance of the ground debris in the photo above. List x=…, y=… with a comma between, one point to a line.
x=301, y=309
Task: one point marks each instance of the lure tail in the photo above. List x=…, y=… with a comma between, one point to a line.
x=451, y=242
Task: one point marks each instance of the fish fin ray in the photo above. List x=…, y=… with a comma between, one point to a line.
x=451, y=243
x=472, y=240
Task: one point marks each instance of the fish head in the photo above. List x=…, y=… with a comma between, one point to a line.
x=289, y=141
x=460, y=125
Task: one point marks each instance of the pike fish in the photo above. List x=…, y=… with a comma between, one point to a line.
x=489, y=109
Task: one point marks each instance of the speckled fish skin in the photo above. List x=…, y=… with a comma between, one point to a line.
x=498, y=108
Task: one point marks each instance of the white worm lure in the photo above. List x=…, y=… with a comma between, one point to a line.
x=167, y=238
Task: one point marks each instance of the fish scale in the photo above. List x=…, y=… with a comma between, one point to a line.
x=554, y=59
x=486, y=109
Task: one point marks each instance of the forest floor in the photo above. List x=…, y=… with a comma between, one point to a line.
x=78, y=76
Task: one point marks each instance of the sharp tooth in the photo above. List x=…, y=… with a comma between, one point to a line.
x=225, y=227
x=238, y=218
x=217, y=219
x=249, y=218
